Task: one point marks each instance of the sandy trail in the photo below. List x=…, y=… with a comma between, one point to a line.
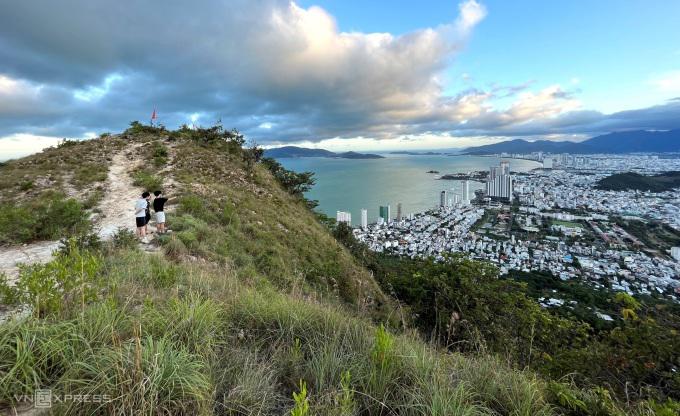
x=11, y=257
x=117, y=204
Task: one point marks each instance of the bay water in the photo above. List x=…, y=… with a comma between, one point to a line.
x=352, y=184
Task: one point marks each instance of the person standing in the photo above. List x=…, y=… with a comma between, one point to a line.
x=158, y=207
x=141, y=207
x=147, y=215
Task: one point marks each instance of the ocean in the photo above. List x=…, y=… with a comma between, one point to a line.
x=352, y=184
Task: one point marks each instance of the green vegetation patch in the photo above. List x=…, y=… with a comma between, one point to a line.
x=569, y=224
x=634, y=181
x=52, y=216
x=653, y=234
x=146, y=179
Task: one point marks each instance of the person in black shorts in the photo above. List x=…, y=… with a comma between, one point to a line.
x=141, y=207
x=158, y=207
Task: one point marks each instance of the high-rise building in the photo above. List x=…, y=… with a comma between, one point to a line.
x=505, y=167
x=342, y=216
x=442, y=199
x=364, y=218
x=500, y=183
x=385, y=213
x=547, y=163
x=675, y=253
x=399, y=211
x=465, y=192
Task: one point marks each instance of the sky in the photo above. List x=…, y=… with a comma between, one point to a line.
x=339, y=74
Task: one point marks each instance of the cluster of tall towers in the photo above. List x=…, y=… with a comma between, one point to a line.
x=500, y=183
x=463, y=198
x=385, y=211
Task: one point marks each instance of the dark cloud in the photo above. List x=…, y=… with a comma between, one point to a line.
x=268, y=67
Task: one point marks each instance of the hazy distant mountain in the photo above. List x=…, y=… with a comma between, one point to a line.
x=640, y=141
x=295, y=152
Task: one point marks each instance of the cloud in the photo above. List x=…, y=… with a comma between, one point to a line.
x=271, y=68
x=18, y=145
x=667, y=82
x=269, y=60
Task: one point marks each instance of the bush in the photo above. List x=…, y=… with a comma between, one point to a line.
x=89, y=173
x=67, y=143
x=49, y=217
x=159, y=154
x=83, y=242
x=71, y=278
x=26, y=185
x=174, y=247
x=147, y=180
x=295, y=183
x=17, y=224
x=138, y=128
x=124, y=239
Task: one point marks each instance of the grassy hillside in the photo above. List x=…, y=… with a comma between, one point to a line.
x=250, y=307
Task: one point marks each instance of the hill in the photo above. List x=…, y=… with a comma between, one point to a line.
x=634, y=181
x=640, y=141
x=253, y=306
x=295, y=152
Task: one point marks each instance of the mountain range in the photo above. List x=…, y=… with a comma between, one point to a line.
x=296, y=152
x=638, y=141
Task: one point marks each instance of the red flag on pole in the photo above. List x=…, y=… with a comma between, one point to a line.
x=153, y=115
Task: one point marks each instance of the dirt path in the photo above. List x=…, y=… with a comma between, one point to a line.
x=29, y=254
x=117, y=204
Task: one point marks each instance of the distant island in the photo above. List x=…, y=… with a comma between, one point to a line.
x=634, y=181
x=432, y=171
x=638, y=141
x=407, y=152
x=297, y=152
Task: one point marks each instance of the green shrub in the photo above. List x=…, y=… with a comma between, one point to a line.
x=137, y=128
x=17, y=224
x=192, y=204
x=87, y=241
x=301, y=407
x=49, y=217
x=346, y=399
x=26, y=185
x=72, y=278
x=147, y=180
x=67, y=143
x=159, y=154
x=124, y=239
x=89, y=173
x=163, y=273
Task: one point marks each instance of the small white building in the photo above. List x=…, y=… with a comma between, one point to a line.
x=675, y=253
x=342, y=216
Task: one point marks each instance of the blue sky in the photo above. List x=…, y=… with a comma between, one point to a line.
x=377, y=75
x=608, y=50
